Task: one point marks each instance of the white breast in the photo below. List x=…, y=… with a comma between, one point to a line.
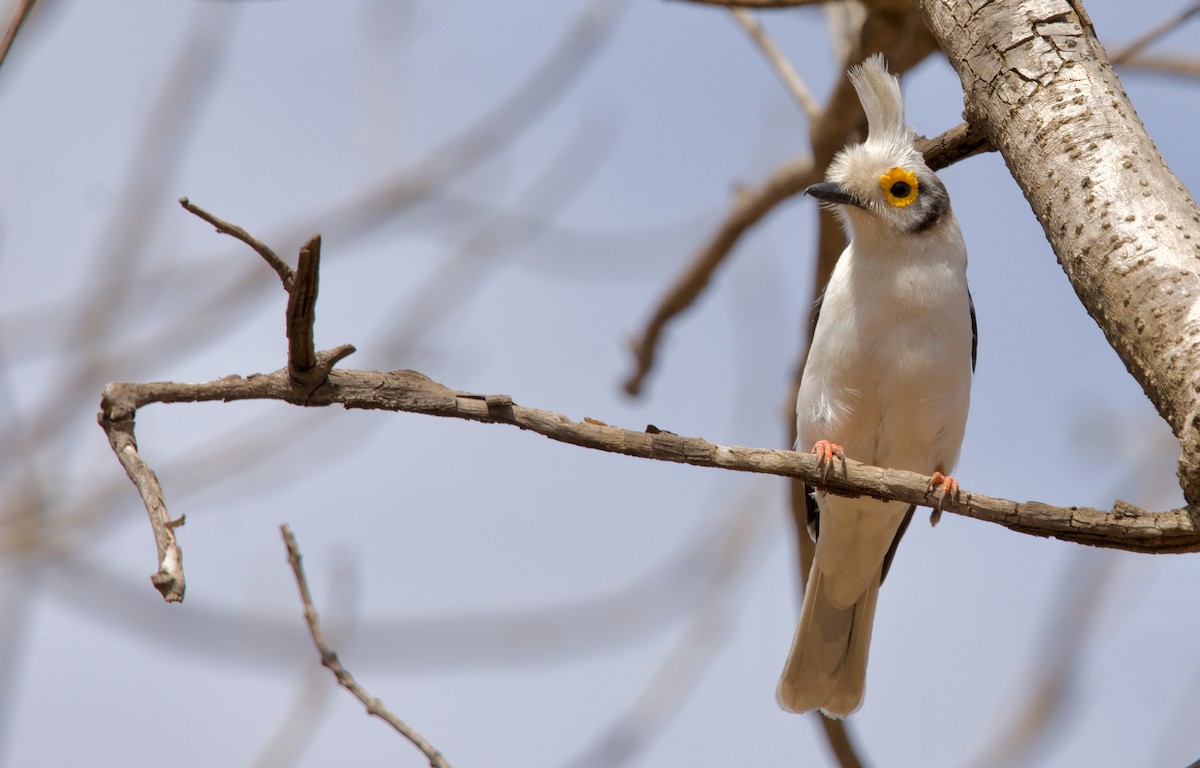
x=889, y=372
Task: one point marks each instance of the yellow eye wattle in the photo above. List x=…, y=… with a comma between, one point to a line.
x=899, y=186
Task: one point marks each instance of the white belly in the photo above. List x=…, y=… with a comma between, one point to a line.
x=889, y=372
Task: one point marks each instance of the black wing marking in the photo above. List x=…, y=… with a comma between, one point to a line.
x=813, y=519
x=891, y=553
x=974, y=330
x=812, y=512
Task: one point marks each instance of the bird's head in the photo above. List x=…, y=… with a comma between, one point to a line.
x=883, y=187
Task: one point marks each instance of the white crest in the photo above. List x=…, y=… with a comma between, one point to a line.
x=879, y=92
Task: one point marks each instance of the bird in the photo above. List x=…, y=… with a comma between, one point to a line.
x=887, y=382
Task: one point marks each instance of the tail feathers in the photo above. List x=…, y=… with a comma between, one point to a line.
x=827, y=667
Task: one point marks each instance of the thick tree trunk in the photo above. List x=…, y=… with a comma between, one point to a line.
x=1039, y=86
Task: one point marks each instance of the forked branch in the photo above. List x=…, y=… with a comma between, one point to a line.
x=1123, y=527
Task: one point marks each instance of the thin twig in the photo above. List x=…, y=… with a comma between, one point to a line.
x=787, y=73
x=15, y=22
x=1131, y=49
x=292, y=737
x=224, y=227
x=330, y=660
x=307, y=367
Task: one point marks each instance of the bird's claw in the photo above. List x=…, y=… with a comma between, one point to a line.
x=949, y=490
x=826, y=451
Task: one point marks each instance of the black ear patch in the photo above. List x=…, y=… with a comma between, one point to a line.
x=933, y=205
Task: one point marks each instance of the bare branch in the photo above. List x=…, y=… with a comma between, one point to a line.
x=1122, y=225
x=950, y=146
x=787, y=73
x=168, y=580
x=293, y=735
x=224, y=227
x=749, y=207
x=307, y=368
x=330, y=660
x=307, y=371
x=1123, y=527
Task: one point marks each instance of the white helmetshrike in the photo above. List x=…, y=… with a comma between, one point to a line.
x=887, y=382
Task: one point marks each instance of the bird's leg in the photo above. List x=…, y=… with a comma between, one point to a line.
x=826, y=451
x=949, y=489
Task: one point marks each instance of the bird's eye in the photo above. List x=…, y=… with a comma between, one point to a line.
x=899, y=186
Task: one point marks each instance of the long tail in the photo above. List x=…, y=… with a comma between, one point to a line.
x=827, y=667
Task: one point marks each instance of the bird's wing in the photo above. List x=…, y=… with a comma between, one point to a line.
x=812, y=512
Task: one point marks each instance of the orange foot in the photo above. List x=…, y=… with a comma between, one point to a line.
x=826, y=451
x=949, y=490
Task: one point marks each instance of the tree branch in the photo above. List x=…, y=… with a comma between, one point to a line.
x=1038, y=84
x=117, y=423
x=307, y=371
x=1123, y=527
x=330, y=660
x=280, y=266
x=954, y=144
